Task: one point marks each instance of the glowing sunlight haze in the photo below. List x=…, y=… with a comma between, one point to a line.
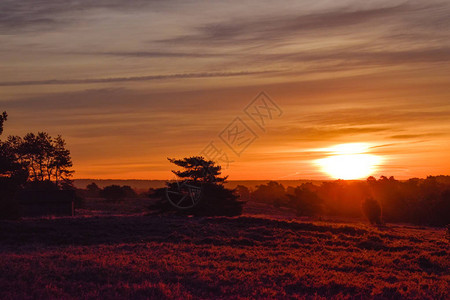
x=349, y=161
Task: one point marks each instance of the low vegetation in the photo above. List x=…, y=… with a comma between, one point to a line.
x=136, y=256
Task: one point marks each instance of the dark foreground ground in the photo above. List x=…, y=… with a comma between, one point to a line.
x=257, y=256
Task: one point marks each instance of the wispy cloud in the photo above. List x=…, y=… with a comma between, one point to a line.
x=133, y=78
x=415, y=136
x=329, y=133
x=280, y=28
x=156, y=54
x=376, y=115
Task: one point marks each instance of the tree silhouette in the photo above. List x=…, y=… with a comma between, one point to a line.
x=197, y=169
x=46, y=158
x=35, y=162
x=372, y=210
x=214, y=198
x=61, y=160
x=13, y=176
x=12, y=169
x=3, y=118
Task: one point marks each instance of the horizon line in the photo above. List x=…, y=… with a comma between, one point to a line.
x=301, y=179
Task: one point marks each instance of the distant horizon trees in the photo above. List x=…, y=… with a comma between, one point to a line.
x=417, y=201
x=112, y=193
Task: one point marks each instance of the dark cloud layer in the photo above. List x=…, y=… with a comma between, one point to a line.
x=47, y=14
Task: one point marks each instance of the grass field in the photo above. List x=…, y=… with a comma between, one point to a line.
x=264, y=254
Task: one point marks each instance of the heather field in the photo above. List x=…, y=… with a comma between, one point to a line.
x=258, y=255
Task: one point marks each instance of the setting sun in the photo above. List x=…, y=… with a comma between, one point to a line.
x=349, y=161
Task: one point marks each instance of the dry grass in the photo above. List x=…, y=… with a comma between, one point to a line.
x=137, y=256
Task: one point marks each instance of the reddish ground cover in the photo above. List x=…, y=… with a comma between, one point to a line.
x=137, y=256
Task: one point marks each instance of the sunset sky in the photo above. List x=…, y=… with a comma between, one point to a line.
x=130, y=83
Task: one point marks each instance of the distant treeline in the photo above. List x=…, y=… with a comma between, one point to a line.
x=113, y=193
x=417, y=201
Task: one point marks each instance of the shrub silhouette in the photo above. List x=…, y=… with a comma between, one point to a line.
x=129, y=192
x=92, y=190
x=243, y=192
x=372, y=210
x=113, y=193
x=305, y=201
x=273, y=193
x=217, y=200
